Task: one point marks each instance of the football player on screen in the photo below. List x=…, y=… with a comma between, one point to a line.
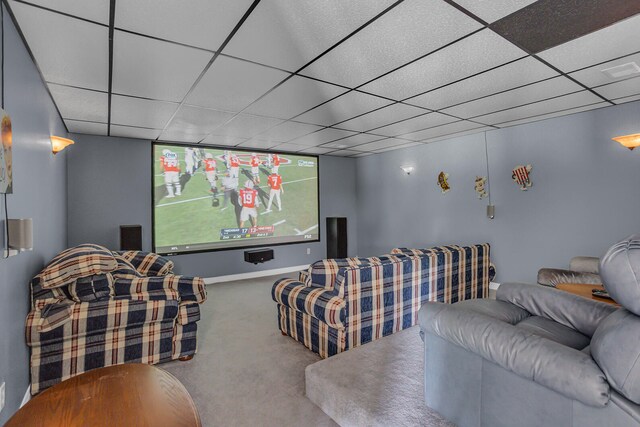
x=190, y=160
x=210, y=171
x=275, y=185
x=275, y=159
x=234, y=165
x=171, y=168
x=248, y=199
x=255, y=168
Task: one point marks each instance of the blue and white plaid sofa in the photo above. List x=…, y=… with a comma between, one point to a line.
x=338, y=304
x=92, y=308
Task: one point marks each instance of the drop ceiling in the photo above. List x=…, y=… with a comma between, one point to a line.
x=344, y=78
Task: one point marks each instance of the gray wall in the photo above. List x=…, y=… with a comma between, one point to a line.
x=109, y=184
x=39, y=193
x=585, y=194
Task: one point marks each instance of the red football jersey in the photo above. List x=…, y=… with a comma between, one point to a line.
x=169, y=165
x=276, y=160
x=248, y=197
x=209, y=165
x=275, y=181
x=255, y=162
x=235, y=162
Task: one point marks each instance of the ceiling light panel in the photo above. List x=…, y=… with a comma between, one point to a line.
x=231, y=84
x=342, y=108
x=509, y=76
x=472, y=55
x=317, y=150
x=447, y=129
x=134, y=132
x=383, y=116
x=145, y=113
x=556, y=114
x=288, y=131
x=246, y=126
x=89, y=128
x=620, y=39
x=543, y=107
x=382, y=144
x=351, y=141
x=295, y=96
x=80, y=104
x=594, y=76
x=410, y=30
x=492, y=10
x=198, y=120
x=415, y=124
x=620, y=89
x=513, y=98
x=181, y=136
x=155, y=69
x=201, y=23
x=76, y=53
x=97, y=11
x=325, y=135
x=289, y=33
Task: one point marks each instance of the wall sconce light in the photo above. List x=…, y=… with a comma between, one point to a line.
x=58, y=143
x=629, y=141
x=407, y=169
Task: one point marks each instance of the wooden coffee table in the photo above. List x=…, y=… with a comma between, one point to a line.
x=122, y=395
x=584, y=290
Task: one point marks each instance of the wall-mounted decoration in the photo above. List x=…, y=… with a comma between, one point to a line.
x=6, y=170
x=443, y=182
x=521, y=175
x=479, y=186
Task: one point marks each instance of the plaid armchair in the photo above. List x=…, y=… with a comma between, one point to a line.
x=338, y=304
x=93, y=308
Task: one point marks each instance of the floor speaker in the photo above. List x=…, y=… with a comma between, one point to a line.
x=337, y=237
x=130, y=237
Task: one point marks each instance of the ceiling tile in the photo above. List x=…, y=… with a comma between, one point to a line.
x=593, y=76
x=155, y=69
x=524, y=95
x=246, y=126
x=196, y=120
x=76, y=53
x=447, y=129
x=259, y=144
x=620, y=89
x=201, y=23
x=362, y=154
x=627, y=99
x=289, y=33
x=398, y=147
x=181, y=136
x=351, y=141
x=611, y=42
x=126, y=110
x=472, y=55
x=382, y=117
x=543, y=107
x=90, y=128
x=134, y=132
x=492, y=10
x=317, y=150
x=80, y=104
x=231, y=84
x=459, y=134
x=342, y=108
x=325, y=135
x=415, y=124
x=556, y=114
x=288, y=131
x=344, y=153
x=408, y=31
x=223, y=140
x=382, y=144
x=93, y=10
x=518, y=73
x=290, y=147
x=293, y=97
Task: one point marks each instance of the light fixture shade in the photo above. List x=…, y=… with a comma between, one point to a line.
x=407, y=169
x=58, y=143
x=629, y=141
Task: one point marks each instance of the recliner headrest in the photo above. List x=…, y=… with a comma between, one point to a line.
x=620, y=272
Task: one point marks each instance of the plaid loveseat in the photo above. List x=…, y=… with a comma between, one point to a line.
x=93, y=308
x=338, y=304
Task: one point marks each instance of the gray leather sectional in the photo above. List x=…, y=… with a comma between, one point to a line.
x=538, y=356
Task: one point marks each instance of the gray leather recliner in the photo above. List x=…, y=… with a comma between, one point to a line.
x=538, y=356
x=582, y=269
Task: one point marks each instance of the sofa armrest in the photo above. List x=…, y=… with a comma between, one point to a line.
x=567, y=371
x=555, y=276
x=315, y=301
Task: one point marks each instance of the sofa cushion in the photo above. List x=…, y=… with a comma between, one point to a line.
x=324, y=272
x=148, y=263
x=554, y=331
x=80, y=261
x=98, y=287
x=125, y=269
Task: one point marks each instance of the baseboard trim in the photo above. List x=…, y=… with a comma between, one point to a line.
x=27, y=396
x=494, y=286
x=254, y=275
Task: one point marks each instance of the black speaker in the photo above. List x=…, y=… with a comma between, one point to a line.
x=130, y=237
x=337, y=237
x=258, y=255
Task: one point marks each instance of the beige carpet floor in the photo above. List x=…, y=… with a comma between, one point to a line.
x=245, y=372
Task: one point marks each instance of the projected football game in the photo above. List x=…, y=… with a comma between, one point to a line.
x=214, y=198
